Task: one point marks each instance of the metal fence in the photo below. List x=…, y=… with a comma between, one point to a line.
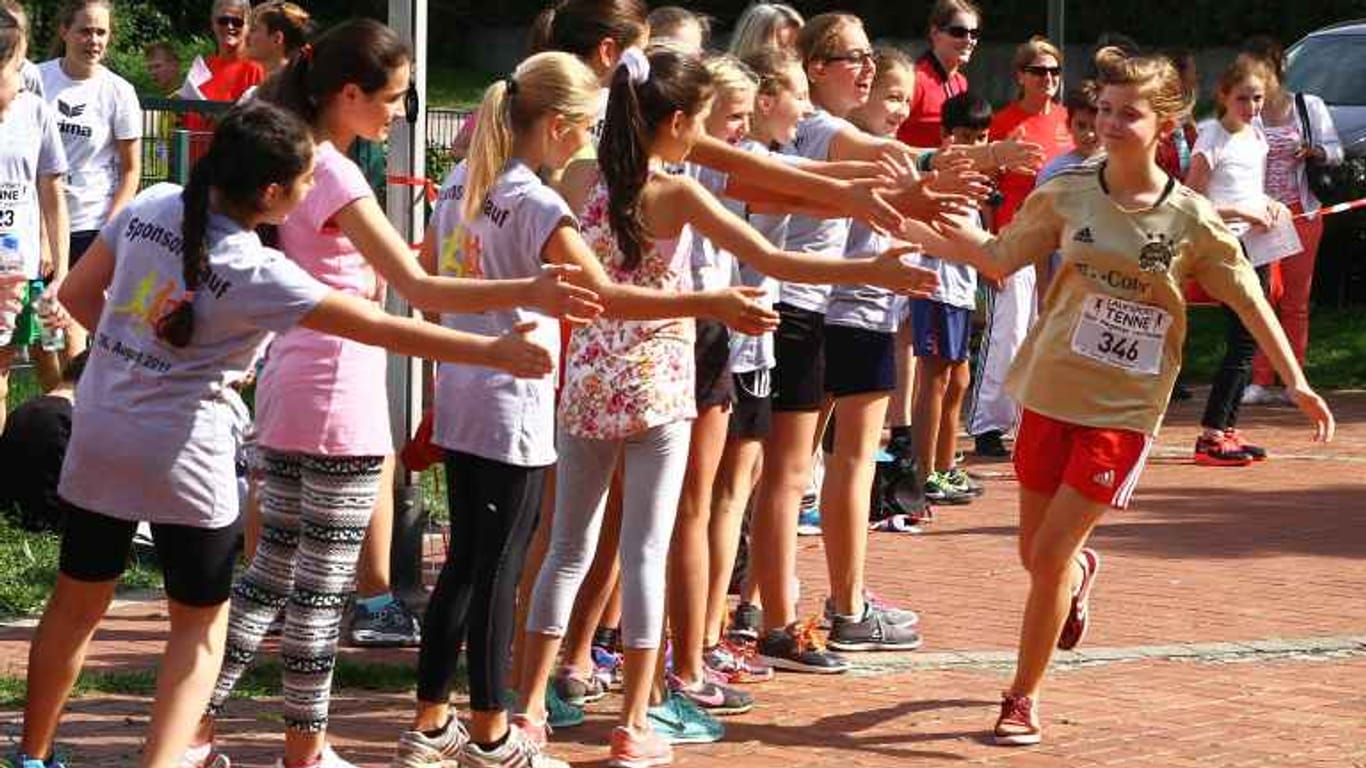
x=169, y=149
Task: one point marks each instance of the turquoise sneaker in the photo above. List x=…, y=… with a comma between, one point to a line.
x=558, y=712
x=679, y=721
x=809, y=522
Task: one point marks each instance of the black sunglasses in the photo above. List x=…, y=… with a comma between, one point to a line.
x=959, y=31
x=1041, y=71
x=236, y=22
x=853, y=57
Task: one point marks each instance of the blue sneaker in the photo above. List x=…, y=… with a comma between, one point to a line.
x=679, y=721
x=809, y=522
x=883, y=457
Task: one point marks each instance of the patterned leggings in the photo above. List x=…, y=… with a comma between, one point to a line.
x=314, y=512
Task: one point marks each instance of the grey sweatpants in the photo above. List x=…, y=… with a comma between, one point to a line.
x=654, y=463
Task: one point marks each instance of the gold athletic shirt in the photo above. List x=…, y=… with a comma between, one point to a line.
x=1106, y=348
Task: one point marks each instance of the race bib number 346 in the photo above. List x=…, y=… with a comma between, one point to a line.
x=1122, y=334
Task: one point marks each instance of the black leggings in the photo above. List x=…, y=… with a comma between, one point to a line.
x=494, y=511
x=1235, y=372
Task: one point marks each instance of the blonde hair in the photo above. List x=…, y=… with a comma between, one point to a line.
x=549, y=82
x=888, y=60
x=1155, y=77
x=772, y=68
x=1242, y=68
x=729, y=75
x=759, y=26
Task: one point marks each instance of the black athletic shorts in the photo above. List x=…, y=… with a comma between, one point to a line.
x=859, y=361
x=712, y=356
x=196, y=563
x=799, y=346
x=752, y=418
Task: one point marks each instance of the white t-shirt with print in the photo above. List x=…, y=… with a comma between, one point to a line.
x=1237, y=167
x=92, y=115
x=29, y=148
x=155, y=427
x=483, y=411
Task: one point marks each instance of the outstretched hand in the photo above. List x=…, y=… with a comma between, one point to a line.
x=921, y=200
x=739, y=309
x=554, y=295
x=900, y=274
x=517, y=354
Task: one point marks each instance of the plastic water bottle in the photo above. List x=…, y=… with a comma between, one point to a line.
x=51, y=339
x=11, y=265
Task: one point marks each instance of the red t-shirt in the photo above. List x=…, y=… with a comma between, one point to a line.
x=933, y=87
x=231, y=78
x=1047, y=129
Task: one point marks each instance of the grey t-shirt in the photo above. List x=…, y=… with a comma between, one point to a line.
x=864, y=306
x=155, y=428
x=483, y=411
x=957, y=282
x=29, y=147
x=823, y=236
x=712, y=266
x=753, y=353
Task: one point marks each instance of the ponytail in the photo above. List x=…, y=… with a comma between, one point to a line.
x=643, y=96
x=256, y=145
x=176, y=327
x=551, y=83
x=359, y=51
x=490, y=147
x=623, y=154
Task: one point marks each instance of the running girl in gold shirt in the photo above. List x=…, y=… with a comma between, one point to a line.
x=1094, y=374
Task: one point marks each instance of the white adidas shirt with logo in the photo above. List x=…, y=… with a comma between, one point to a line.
x=92, y=115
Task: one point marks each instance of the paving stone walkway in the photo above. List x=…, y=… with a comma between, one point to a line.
x=1230, y=630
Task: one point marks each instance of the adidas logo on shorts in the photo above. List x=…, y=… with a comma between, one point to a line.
x=1106, y=478
x=1083, y=236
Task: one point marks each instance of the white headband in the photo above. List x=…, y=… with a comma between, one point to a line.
x=637, y=64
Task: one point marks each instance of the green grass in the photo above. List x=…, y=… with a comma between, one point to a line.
x=1337, y=347
x=260, y=681
x=449, y=86
x=28, y=570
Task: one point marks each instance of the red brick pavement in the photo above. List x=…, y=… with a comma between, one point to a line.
x=1205, y=555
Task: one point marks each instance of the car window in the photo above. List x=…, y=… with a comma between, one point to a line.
x=1330, y=67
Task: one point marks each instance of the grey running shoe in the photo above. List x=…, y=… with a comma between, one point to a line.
x=418, y=750
x=390, y=626
x=518, y=751
x=872, y=633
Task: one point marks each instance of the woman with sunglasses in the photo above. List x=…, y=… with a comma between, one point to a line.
x=1037, y=117
x=954, y=28
x=234, y=72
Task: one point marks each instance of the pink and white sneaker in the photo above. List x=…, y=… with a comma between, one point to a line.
x=1074, y=631
x=644, y=749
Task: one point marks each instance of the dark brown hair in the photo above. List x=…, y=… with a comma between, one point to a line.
x=360, y=51
x=678, y=82
x=578, y=26
x=1084, y=97
x=255, y=145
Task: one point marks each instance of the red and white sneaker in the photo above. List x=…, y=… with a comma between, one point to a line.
x=644, y=749
x=1074, y=631
x=1018, y=725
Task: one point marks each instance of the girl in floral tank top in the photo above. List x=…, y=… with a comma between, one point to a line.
x=626, y=376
